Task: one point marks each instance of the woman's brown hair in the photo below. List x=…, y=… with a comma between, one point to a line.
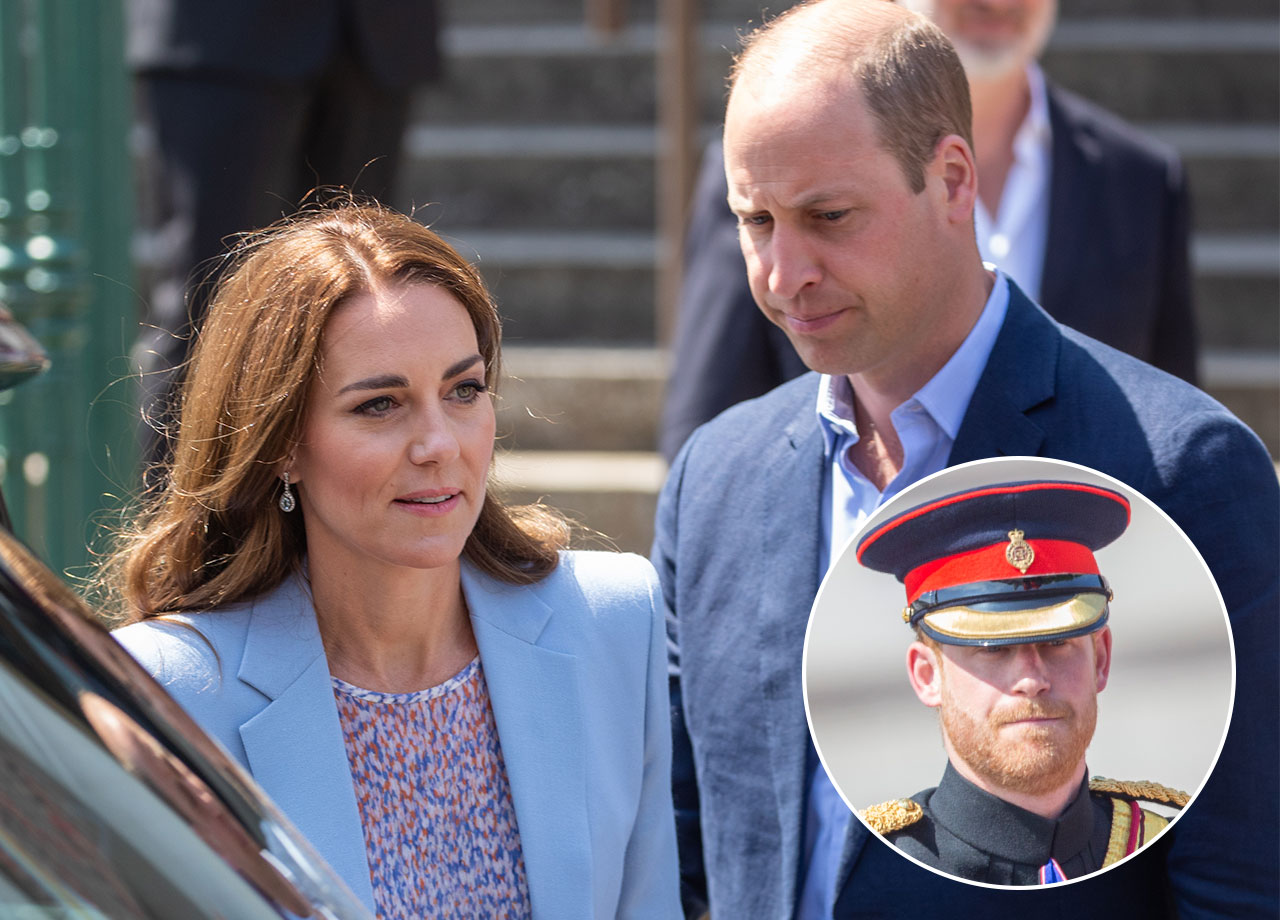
x=211, y=533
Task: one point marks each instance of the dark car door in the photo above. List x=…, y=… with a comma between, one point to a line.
x=113, y=804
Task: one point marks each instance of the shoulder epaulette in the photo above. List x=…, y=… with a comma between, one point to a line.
x=893, y=815
x=1143, y=790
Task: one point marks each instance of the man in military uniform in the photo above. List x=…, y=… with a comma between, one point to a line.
x=1012, y=647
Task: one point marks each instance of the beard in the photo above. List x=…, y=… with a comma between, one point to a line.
x=1039, y=759
x=985, y=61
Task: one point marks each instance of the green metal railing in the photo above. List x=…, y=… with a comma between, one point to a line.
x=65, y=224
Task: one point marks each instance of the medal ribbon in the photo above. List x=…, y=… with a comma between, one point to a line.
x=1051, y=872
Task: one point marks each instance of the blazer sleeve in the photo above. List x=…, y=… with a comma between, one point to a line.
x=196, y=666
x=1215, y=480
x=650, y=880
x=182, y=659
x=684, y=777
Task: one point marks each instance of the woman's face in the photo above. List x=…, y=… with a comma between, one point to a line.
x=398, y=433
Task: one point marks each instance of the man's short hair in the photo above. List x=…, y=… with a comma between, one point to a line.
x=908, y=71
x=927, y=640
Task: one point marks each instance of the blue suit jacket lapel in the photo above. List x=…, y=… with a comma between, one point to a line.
x=786, y=560
x=538, y=709
x=1019, y=378
x=295, y=746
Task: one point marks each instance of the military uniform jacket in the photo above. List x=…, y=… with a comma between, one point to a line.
x=970, y=833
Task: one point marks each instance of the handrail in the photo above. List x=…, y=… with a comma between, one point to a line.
x=606, y=17
x=677, y=65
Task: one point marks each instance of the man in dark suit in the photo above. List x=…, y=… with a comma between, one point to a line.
x=850, y=169
x=243, y=106
x=1087, y=214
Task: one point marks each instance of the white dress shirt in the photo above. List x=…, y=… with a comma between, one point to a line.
x=1016, y=238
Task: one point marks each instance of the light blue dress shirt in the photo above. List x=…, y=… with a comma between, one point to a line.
x=926, y=425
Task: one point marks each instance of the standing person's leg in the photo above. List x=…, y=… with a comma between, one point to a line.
x=219, y=156
x=355, y=130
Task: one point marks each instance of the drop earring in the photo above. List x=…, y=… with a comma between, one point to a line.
x=287, y=501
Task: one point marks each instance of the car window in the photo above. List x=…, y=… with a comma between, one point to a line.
x=114, y=804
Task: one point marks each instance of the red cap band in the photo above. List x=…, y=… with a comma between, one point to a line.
x=1052, y=557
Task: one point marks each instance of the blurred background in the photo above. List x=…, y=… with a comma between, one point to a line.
x=558, y=150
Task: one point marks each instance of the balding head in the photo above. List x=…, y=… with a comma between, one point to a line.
x=905, y=69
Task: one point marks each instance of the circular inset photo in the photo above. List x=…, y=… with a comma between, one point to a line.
x=1019, y=672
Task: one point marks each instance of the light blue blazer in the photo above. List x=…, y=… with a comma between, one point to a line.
x=576, y=670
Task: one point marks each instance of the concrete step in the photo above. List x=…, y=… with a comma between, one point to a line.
x=1237, y=281
x=584, y=177
x=575, y=177
x=609, y=399
x=584, y=288
x=1238, y=311
x=611, y=496
x=558, y=398
x=1203, y=9
x=597, y=288
x=504, y=12
x=1180, y=70
x=1235, y=182
x=1174, y=84
x=1248, y=383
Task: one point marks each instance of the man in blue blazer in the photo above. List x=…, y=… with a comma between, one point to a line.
x=850, y=170
x=1114, y=254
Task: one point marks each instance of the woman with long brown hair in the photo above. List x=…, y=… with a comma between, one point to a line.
x=466, y=719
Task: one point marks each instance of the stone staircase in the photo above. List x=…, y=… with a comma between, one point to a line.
x=536, y=157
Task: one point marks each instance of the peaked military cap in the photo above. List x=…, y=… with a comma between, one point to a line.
x=1002, y=564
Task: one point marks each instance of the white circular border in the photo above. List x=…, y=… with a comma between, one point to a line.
x=899, y=736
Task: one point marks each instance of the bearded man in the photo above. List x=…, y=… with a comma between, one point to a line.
x=1012, y=649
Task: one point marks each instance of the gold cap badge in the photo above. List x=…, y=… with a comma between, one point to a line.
x=1019, y=553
